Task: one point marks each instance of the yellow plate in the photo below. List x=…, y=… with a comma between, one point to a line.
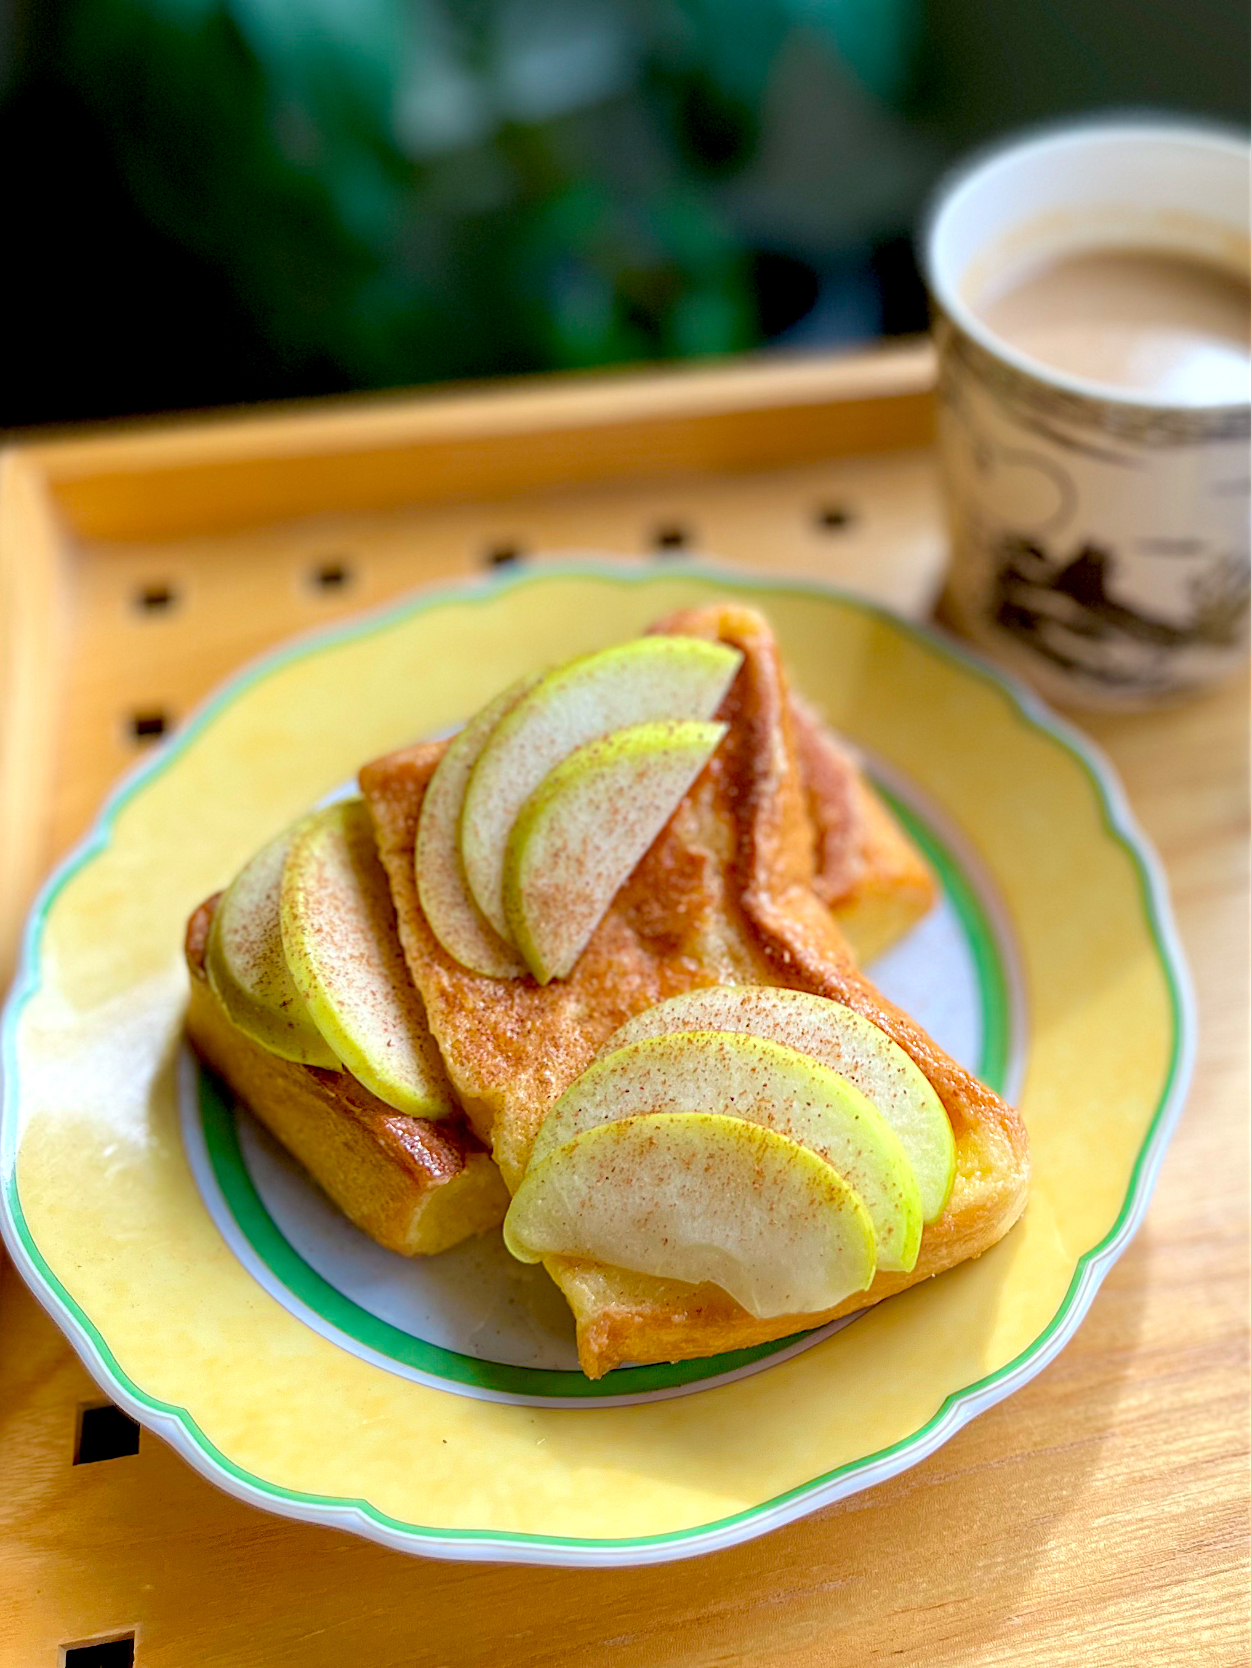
x=201, y=1287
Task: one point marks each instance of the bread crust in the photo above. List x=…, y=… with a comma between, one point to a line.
x=866, y=869
x=726, y=895
x=414, y=1185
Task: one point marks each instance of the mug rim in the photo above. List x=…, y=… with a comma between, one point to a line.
x=972, y=170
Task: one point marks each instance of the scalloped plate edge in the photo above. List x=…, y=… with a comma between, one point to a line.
x=176, y=1426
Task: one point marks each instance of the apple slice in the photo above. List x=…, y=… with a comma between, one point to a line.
x=764, y=1083
x=586, y=826
x=246, y=967
x=845, y=1041
x=454, y=917
x=340, y=940
x=634, y=683
x=698, y=1196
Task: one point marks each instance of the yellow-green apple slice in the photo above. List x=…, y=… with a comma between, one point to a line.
x=586, y=826
x=764, y=1083
x=845, y=1041
x=246, y=966
x=340, y=940
x=634, y=683
x=698, y=1196
x=454, y=917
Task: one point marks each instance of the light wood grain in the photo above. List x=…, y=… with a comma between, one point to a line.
x=546, y=432
x=1098, y=1517
x=32, y=679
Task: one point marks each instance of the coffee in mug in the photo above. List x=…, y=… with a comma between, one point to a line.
x=1092, y=317
x=1143, y=320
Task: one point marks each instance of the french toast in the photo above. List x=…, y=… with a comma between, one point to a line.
x=414, y=1185
x=737, y=889
x=419, y=1187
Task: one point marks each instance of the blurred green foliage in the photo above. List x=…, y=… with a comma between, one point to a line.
x=414, y=189
x=217, y=200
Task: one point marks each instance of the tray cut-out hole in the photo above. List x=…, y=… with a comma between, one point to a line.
x=105, y=1433
x=671, y=536
x=148, y=724
x=833, y=518
x=504, y=555
x=156, y=598
x=333, y=574
x=106, y=1653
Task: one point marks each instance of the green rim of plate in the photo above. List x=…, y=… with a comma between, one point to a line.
x=177, y=1424
x=215, y=1105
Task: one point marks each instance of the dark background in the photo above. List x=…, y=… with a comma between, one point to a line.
x=215, y=201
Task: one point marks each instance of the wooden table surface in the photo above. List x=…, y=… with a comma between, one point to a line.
x=1098, y=1517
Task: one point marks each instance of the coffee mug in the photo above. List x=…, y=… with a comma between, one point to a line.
x=1099, y=532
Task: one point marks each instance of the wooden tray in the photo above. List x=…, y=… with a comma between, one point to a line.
x=137, y=568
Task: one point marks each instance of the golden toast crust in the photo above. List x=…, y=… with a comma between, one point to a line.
x=865, y=868
x=726, y=895
x=414, y=1185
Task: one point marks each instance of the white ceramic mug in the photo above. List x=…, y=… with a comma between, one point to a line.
x=1099, y=536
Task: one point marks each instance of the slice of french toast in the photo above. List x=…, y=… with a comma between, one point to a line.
x=415, y=1185
x=418, y=1187
x=729, y=893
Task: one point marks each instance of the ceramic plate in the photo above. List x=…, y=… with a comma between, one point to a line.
x=435, y=1404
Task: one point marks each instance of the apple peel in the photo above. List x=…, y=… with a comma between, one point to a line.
x=455, y=919
x=702, y=1198
x=340, y=941
x=841, y=1038
x=245, y=964
x=586, y=826
x=646, y=679
x=763, y=1083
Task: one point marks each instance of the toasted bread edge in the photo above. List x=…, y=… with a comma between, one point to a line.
x=622, y=1319
x=415, y=1186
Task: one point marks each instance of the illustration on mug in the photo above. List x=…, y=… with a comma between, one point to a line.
x=1065, y=608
